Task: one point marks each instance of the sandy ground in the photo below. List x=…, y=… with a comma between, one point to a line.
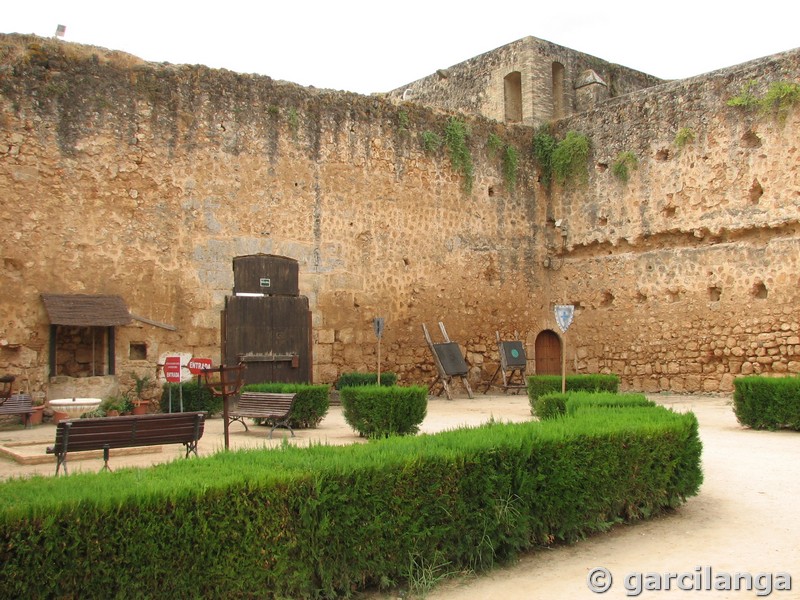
x=745, y=518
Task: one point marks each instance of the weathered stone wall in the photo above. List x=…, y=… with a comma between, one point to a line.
x=476, y=85
x=145, y=181
x=686, y=275
x=121, y=177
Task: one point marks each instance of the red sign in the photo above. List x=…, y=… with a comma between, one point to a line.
x=172, y=369
x=198, y=364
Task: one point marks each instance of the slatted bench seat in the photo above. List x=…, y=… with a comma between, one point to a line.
x=126, y=432
x=275, y=408
x=18, y=404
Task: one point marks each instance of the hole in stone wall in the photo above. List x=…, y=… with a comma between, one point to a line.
x=603, y=221
x=137, y=351
x=662, y=155
x=602, y=167
x=714, y=293
x=760, y=291
x=751, y=140
x=756, y=191
x=641, y=297
x=608, y=299
x=406, y=262
x=491, y=190
x=669, y=211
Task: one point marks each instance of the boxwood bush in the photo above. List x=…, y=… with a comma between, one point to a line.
x=196, y=397
x=555, y=404
x=767, y=402
x=378, y=411
x=355, y=379
x=310, y=406
x=538, y=385
x=324, y=522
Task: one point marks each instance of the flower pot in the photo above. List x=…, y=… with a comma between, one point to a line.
x=141, y=408
x=36, y=415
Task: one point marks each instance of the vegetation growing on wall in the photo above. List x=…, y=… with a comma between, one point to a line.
x=684, y=137
x=456, y=133
x=509, y=156
x=431, y=141
x=623, y=164
x=570, y=158
x=544, y=144
x=779, y=98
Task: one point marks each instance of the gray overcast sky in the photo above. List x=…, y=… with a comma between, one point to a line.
x=377, y=46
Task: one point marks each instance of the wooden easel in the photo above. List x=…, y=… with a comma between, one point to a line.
x=509, y=365
x=449, y=362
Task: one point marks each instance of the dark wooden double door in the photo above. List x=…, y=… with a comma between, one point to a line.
x=271, y=335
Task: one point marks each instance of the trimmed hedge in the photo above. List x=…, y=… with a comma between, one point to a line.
x=324, y=522
x=767, y=402
x=310, y=405
x=196, y=397
x=378, y=411
x=356, y=379
x=538, y=385
x=549, y=406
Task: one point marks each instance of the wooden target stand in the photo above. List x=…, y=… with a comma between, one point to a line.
x=449, y=361
x=513, y=360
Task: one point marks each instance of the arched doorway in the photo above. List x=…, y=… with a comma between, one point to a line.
x=512, y=91
x=548, y=353
x=558, y=90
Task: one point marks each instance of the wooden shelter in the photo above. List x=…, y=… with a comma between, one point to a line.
x=86, y=311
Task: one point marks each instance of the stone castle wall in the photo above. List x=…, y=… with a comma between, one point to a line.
x=476, y=85
x=122, y=177
x=687, y=275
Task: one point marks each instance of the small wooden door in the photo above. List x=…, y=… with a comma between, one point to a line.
x=548, y=353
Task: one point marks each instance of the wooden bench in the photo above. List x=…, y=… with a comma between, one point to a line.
x=18, y=404
x=126, y=432
x=275, y=408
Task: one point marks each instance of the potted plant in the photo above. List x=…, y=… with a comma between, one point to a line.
x=37, y=400
x=140, y=405
x=113, y=406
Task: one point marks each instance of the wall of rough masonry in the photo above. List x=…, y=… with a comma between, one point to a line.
x=686, y=275
x=124, y=177
x=476, y=85
x=121, y=177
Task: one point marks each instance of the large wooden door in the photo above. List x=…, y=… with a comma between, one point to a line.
x=548, y=353
x=271, y=336
x=266, y=324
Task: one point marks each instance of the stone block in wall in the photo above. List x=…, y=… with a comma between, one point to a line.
x=326, y=336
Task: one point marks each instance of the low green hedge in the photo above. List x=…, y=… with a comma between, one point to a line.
x=356, y=379
x=325, y=522
x=538, y=385
x=550, y=405
x=555, y=404
x=767, y=402
x=196, y=397
x=378, y=411
x=311, y=403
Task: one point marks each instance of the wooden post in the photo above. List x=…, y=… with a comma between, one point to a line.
x=564, y=362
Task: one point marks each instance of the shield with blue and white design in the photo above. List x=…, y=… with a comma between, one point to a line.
x=564, y=314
